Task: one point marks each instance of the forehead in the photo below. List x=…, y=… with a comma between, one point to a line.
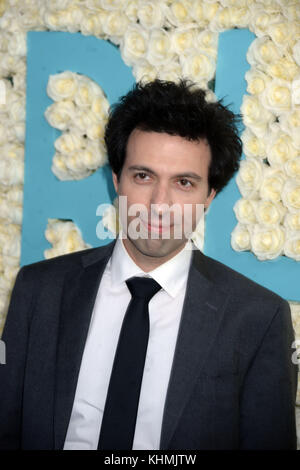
x=166, y=151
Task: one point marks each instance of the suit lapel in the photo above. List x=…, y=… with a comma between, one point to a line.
x=201, y=316
x=80, y=290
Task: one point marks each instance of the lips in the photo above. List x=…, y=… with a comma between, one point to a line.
x=154, y=227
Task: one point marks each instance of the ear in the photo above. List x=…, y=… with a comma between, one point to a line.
x=115, y=181
x=209, y=198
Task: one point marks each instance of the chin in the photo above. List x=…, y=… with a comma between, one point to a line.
x=158, y=248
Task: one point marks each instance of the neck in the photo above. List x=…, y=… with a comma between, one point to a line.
x=146, y=262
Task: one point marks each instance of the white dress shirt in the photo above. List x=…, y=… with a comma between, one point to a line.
x=110, y=306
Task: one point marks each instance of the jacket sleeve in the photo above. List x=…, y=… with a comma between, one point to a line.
x=268, y=396
x=15, y=338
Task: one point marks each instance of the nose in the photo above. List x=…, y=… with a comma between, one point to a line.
x=160, y=200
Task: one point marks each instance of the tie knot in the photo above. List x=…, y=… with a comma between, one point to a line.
x=143, y=287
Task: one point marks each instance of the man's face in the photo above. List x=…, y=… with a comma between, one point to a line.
x=161, y=171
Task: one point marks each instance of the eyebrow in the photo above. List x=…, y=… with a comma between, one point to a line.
x=179, y=175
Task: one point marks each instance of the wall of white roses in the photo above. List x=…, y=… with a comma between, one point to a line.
x=165, y=39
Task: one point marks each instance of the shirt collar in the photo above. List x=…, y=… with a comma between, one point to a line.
x=171, y=275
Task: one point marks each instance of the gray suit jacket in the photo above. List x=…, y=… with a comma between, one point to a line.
x=232, y=384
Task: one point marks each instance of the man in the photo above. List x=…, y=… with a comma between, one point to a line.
x=204, y=362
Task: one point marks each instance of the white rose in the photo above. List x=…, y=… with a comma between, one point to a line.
x=277, y=96
x=31, y=19
x=292, y=168
x=11, y=262
x=100, y=107
x=10, y=64
x=4, y=134
x=292, y=245
x=113, y=4
x=249, y=177
x=131, y=10
x=92, y=24
x=296, y=52
x=67, y=168
x=60, y=4
x=171, y=72
x=255, y=115
x=230, y=17
x=71, y=19
x=159, y=47
x=151, y=15
x=182, y=39
x=115, y=25
x=8, y=232
x=93, y=156
x=269, y=213
x=210, y=96
x=62, y=86
x=272, y=184
x=292, y=221
x=10, y=22
x=51, y=20
x=69, y=142
x=284, y=69
x=144, y=72
x=290, y=123
x=208, y=42
x=240, y=238
x=256, y=80
x=296, y=91
x=96, y=131
x=197, y=14
x=5, y=288
x=86, y=92
x=12, y=244
x=17, y=44
x=267, y=243
x=235, y=3
x=10, y=273
x=10, y=211
x=244, y=210
x=178, y=12
x=61, y=114
x=279, y=147
x=84, y=119
x=210, y=9
x=291, y=195
x=16, y=131
x=290, y=11
x=11, y=171
x=252, y=145
x=198, y=66
x=284, y=33
x=15, y=195
x=17, y=110
x=134, y=44
x=5, y=92
x=65, y=236
x=263, y=51
x=261, y=18
x=20, y=83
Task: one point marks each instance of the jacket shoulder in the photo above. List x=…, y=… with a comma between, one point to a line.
x=63, y=263
x=237, y=283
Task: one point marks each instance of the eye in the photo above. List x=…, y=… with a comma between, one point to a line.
x=141, y=176
x=185, y=183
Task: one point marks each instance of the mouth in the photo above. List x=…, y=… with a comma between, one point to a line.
x=159, y=228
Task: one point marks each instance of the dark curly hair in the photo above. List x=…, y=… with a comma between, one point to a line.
x=176, y=109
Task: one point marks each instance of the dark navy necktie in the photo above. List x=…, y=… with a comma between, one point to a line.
x=120, y=412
